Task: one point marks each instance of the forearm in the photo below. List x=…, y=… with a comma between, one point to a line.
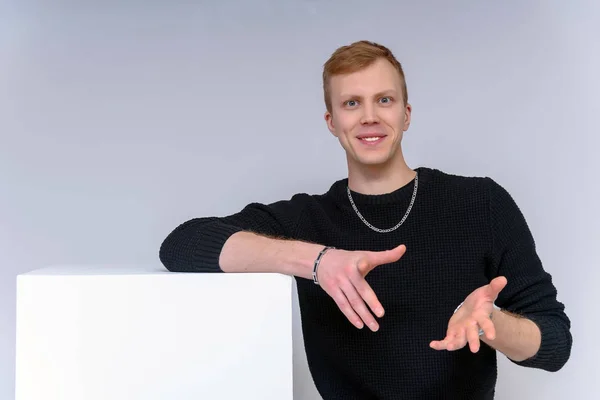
x=250, y=252
x=516, y=337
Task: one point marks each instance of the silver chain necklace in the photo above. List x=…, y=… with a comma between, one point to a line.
x=412, y=201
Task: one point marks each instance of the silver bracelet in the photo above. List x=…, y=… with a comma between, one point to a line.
x=480, y=330
x=317, y=261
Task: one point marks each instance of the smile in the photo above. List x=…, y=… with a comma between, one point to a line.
x=372, y=140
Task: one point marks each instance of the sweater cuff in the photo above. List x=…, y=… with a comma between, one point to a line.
x=209, y=245
x=552, y=348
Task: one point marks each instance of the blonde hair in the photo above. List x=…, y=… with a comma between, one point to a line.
x=355, y=57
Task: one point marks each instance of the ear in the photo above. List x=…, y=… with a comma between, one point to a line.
x=329, y=120
x=407, y=114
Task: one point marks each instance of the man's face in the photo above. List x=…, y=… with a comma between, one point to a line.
x=368, y=103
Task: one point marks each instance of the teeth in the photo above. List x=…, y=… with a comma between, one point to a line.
x=371, y=139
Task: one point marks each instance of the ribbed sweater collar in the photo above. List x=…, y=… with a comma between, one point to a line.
x=339, y=191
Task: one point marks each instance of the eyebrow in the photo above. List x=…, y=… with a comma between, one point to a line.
x=379, y=94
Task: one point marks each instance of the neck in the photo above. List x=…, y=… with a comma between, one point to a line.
x=379, y=179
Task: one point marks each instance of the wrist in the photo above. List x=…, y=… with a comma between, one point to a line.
x=496, y=308
x=495, y=311
x=318, y=262
x=301, y=259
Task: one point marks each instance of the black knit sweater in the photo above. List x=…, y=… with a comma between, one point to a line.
x=461, y=233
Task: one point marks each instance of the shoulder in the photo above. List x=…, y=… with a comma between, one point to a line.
x=294, y=204
x=316, y=195
x=456, y=184
x=480, y=188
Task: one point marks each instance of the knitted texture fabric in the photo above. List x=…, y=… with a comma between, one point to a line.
x=461, y=233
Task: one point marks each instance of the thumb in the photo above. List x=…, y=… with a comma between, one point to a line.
x=497, y=284
x=387, y=256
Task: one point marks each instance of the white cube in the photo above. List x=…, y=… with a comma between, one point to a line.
x=126, y=332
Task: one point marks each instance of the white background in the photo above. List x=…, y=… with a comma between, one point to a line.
x=118, y=122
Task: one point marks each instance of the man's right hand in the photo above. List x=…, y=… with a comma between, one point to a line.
x=342, y=274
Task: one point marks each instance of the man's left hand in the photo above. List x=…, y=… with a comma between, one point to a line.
x=474, y=313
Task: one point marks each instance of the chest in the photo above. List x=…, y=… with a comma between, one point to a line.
x=443, y=263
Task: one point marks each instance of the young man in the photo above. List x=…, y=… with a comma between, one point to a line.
x=401, y=273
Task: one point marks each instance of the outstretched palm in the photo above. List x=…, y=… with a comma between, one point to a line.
x=474, y=313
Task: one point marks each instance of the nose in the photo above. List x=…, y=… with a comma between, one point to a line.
x=369, y=115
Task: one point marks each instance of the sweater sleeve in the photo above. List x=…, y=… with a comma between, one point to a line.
x=529, y=291
x=195, y=245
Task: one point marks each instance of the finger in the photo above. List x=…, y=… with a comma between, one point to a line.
x=385, y=257
x=358, y=305
x=367, y=294
x=438, y=344
x=488, y=327
x=344, y=305
x=445, y=344
x=497, y=284
x=457, y=340
x=473, y=337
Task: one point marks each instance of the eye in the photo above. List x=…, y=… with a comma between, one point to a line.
x=386, y=100
x=350, y=103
